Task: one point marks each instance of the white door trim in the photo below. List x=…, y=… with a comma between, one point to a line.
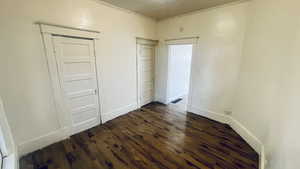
x=48, y=31
x=143, y=41
x=182, y=41
x=68, y=31
x=7, y=144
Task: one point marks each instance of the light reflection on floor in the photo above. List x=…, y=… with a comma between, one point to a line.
x=178, y=123
x=181, y=105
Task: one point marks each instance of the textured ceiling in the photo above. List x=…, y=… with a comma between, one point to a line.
x=161, y=9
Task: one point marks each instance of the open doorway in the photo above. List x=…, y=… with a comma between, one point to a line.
x=179, y=72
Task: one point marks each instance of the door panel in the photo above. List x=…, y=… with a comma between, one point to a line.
x=71, y=68
x=76, y=51
x=77, y=72
x=82, y=101
x=146, y=56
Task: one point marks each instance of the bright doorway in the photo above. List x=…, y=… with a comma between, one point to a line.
x=179, y=72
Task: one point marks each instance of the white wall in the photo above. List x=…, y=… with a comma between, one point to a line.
x=267, y=96
x=216, y=66
x=267, y=101
x=179, y=68
x=25, y=84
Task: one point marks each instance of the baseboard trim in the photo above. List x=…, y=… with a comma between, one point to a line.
x=58, y=135
x=209, y=114
x=161, y=100
x=247, y=135
x=42, y=141
x=61, y=134
x=118, y=112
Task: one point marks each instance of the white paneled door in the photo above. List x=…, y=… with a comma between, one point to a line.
x=76, y=64
x=146, y=55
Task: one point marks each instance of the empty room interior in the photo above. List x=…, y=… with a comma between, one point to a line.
x=149, y=84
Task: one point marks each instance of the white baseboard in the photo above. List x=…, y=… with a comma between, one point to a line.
x=209, y=114
x=58, y=135
x=61, y=134
x=246, y=134
x=118, y=112
x=41, y=142
x=161, y=100
x=251, y=139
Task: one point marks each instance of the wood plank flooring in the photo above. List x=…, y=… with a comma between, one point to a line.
x=154, y=137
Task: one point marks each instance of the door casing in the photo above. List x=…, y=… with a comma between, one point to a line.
x=143, y=41
x=48, y=31
x=182, y=41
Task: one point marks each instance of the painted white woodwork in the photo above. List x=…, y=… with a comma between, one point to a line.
x=145, y=70
x=179, y=68
x=67, y=31
x=164, y=72
x=7, y=144
x=71, y=56
x=182, y=41
x=78, y=79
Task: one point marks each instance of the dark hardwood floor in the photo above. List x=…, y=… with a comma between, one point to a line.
x=155, y=137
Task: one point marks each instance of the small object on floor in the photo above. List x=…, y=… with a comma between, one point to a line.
x=176, y=101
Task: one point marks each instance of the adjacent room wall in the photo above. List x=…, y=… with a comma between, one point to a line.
x=267, y=101
x=268, y=92
x=216, y=66
x=179, y=69
x=25, y=84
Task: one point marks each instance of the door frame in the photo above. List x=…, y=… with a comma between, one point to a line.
x=7, y=143
x=150, y=42
x=182, y=41
x=48, y=31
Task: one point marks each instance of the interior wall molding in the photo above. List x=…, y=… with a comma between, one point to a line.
x=62, y=134
x=9, y=150
x=246, y=134
x=209, y=114
x=182, y=40
x=193, y=40
x=161, y=99
x=145, y=41
x=118, y=112
x=49, y=31
x=65, y=26
x=64, y=30
x=42, y=141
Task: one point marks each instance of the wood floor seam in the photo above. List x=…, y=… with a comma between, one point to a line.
x=153, y=137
